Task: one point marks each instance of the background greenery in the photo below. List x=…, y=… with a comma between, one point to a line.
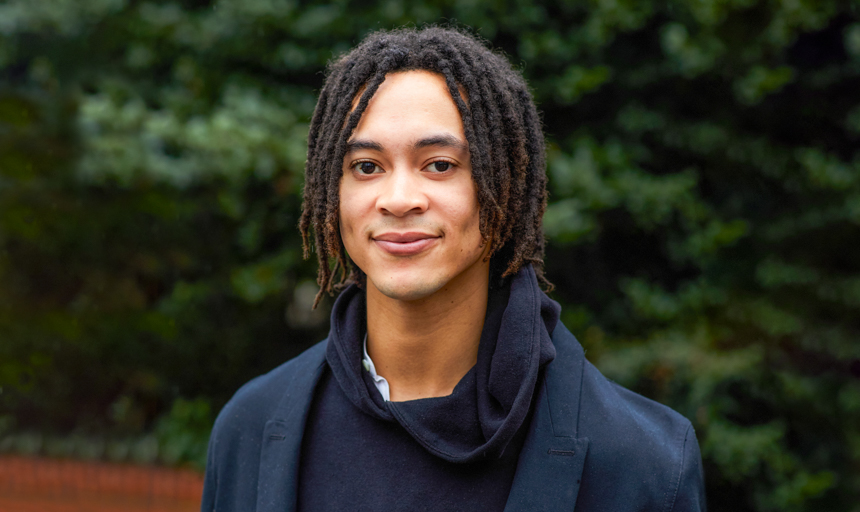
x=703, y=224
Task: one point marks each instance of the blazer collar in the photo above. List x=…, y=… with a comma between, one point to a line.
x=278, y=477
x=552, y=458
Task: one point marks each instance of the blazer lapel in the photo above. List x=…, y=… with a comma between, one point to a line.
x=282, y=440
x=553, y=457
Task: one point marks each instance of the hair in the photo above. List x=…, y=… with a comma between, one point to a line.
x=502, y=127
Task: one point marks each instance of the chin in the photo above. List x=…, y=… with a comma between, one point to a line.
x=407, y=288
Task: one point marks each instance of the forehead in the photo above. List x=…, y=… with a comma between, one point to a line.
x=410, y=103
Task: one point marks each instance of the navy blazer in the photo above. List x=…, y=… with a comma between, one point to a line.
x=592, y=445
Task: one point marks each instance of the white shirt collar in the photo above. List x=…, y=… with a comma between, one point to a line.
x=381, y=383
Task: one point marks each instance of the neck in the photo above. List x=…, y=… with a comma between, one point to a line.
x=424, y=347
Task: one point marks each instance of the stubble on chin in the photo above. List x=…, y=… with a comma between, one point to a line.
x=407, y=290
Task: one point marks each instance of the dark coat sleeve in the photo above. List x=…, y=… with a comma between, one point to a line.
x=691, y=479
x=207, y=504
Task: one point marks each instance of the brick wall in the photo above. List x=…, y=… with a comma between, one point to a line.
x=49, y=485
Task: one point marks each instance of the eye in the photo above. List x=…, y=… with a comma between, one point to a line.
x=365, y=167
x=440, y=166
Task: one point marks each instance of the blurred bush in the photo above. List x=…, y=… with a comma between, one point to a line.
x=705, y=192
x=181, y=437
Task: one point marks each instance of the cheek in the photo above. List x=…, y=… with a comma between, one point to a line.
x=464, y=211
x=355, y=214
x=349, y=216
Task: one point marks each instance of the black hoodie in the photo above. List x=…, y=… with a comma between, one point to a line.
x=457, y=452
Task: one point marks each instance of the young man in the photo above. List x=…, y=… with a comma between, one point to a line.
x=446, y=382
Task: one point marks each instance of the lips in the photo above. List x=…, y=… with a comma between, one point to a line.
x=405, y=244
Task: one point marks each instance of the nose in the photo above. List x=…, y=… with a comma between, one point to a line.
x=402, y=194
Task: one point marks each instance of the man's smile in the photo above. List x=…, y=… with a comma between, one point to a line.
x=405, y=244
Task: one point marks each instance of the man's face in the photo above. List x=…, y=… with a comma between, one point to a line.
x=409, y=213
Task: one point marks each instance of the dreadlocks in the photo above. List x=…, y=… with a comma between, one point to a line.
x=501, y=124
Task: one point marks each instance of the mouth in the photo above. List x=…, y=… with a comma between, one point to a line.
x=405, y=244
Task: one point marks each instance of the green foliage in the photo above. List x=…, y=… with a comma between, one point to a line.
x=705, y=194
x=181, y=437
x=183, y=434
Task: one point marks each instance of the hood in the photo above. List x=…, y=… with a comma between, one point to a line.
x=490, y=403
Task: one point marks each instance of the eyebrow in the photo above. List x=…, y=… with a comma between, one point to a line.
x=357, y=144
x=444, y=140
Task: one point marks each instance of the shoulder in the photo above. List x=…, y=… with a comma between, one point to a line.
x=256, y=401
x=608, y=410
x=640, y=451
x=234, y=447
